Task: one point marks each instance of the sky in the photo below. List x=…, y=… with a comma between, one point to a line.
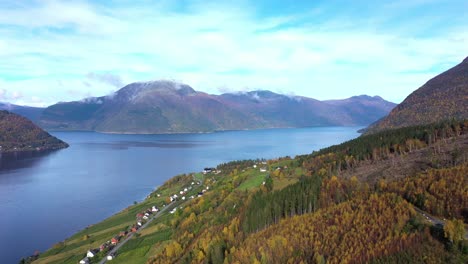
x=53, y=51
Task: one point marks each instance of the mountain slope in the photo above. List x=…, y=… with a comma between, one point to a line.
x=443, y=97
x=169, y=107
x=20, y=134
x=31, y=113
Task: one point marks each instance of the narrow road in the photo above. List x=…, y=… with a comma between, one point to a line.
x=434, y=220
x=123, y=242
x=120, y=244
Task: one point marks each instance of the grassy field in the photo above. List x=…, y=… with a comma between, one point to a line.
x=254, y=178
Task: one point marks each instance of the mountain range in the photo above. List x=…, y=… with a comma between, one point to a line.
x=443, y=97
x=170, y=107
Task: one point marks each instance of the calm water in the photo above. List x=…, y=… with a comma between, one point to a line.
x=46, y=198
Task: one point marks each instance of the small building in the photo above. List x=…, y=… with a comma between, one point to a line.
x=139, y=224
x=154, y=209
x=183, y=198
x=185, y=189
x=102, y=247
x=110, y=257
x=91, y=253
x=123, y=233
x=134, y=229
x=263, y=169
x=208, y=170
x=145, y=217
x=84, y=261
x=115, y=240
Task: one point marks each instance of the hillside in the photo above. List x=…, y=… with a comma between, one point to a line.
x=311, y=208
x=20, y=134
x=443, y=97
x=169, y=107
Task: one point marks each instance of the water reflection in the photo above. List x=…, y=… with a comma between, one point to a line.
x=21, y=160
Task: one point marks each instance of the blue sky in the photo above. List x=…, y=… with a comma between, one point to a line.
x=54, y=51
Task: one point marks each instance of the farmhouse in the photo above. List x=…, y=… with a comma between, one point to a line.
x=91, y=253
x=115, y=240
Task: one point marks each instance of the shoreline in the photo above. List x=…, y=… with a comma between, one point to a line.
x=359, y=127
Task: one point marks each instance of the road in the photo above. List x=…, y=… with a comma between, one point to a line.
x=120, y=244
x=434, y=220
x=123, y=242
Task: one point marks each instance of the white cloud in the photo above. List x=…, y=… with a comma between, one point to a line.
x=92, y=50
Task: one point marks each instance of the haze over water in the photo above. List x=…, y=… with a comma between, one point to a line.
x=46, y=198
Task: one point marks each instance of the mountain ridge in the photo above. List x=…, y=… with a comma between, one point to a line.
x=444, y=96
x=171, y=107
x=30, y=112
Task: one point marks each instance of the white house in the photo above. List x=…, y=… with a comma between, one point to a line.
x=181, y=192
x=90, y=253
x=185, y=189
x=110, y=257
x=139, y=223
x=263, y=170
x=145, y=217
x=154, y=209
x=183, y=198
x=84, y=261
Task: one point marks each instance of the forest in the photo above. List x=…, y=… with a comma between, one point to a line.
x=323, y=218
x=18, y=134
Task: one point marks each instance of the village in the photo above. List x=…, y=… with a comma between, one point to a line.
x=105, y=251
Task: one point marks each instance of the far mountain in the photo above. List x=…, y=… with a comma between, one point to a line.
x=443, y=97
x=170, y=107
x=31, y=113
x=20, y=134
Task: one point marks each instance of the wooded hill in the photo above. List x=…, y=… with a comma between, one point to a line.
x=444, y=96
x=20, y=134
x=310, y=209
